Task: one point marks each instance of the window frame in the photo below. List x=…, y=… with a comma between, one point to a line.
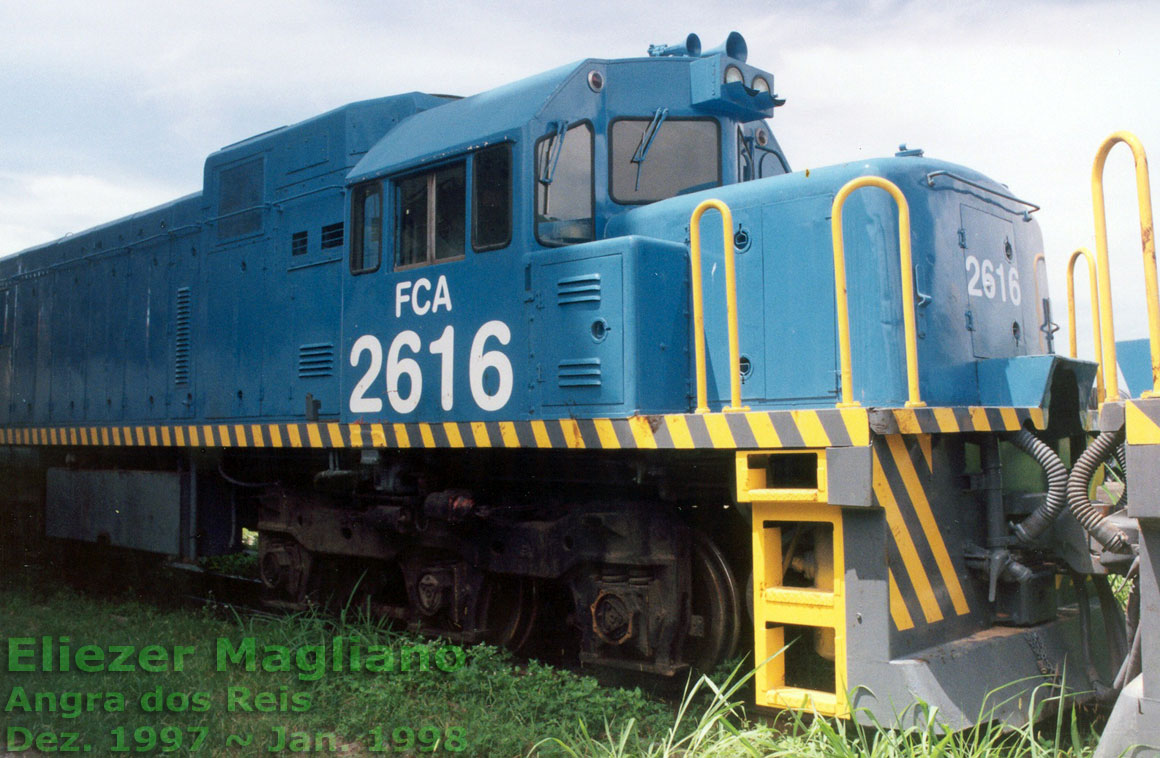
x=304, y=235
x=356, y=235
x=536, y=180
x=5, y=318
x=473, y=207
x=432, y=214
x=668, y=119
x=743, y=154
x=765, y=153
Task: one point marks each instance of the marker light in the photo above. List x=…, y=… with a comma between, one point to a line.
x=733, y=74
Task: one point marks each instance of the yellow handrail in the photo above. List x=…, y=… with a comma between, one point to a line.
x=1144, y=199
x=907, y=288
x=1039, y=258
x=1071, y=339
x=730, y=305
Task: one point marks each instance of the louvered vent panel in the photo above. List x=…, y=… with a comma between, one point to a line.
x=182, y=337
x=578, y=289
x=579, y=372
x=332, y=235
x=315, y=360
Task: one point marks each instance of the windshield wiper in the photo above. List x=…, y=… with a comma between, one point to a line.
x=646, y=141
x=546, y=172
x=555, y=147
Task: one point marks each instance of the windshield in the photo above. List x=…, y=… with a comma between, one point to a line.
x=655, y=158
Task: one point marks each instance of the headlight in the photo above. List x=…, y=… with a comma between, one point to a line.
x=733, y=74
x=760, y=84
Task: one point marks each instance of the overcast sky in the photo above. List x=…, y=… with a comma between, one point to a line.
x=111, y=107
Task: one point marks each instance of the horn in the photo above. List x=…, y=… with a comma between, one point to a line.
x=691, y=47
x=734, y=46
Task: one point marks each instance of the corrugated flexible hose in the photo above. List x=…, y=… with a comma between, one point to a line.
x=1083, y=509
x=1122, y=459
x=1034, y=525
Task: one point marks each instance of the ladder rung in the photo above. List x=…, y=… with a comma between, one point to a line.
x=799, y=596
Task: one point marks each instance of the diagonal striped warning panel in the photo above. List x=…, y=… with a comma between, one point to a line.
x=926, y=586
x=828, y=427
x=1142, y=418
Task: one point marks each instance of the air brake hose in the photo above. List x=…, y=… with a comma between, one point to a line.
x=1122, y=459
x=1038, y=522
x=1084, y=510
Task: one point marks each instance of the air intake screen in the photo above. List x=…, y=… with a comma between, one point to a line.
x=181, y=358
x=332, y=235
x=315, y=360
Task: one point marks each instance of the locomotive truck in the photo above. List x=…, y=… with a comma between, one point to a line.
x=583, y=353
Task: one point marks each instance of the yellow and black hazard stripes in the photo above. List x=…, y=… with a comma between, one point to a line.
x=723, y=431
x=828, y=427
x=899, y=613
x=953, y=420
x=1142, y=418
x=925, y=585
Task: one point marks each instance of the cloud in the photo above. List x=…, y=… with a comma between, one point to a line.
x=138, y=93
x=39, y=208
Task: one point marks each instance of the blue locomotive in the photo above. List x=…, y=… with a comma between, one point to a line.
x=480, y=352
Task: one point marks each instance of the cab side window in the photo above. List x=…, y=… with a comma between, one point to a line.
x=491, y=198
x=431, y=212
x=366, y=244
x=564, y=190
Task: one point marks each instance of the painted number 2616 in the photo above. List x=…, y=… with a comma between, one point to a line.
x=480, y=360
x=1003, y=281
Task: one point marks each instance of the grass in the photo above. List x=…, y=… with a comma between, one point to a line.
x=719, y=728
x=493, y=705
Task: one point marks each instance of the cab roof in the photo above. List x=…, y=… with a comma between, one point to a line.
x=460, y=125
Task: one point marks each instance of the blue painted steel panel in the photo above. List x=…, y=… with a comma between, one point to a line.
x=7, y=329
x=1024, y=380
x=25, y=349
x=799, y=318
x=135, y=325
x=578, y=330
x=988, y=252
x=1135, y=359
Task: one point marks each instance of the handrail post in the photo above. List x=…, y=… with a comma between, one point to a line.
x=730, y=305
x=1071, y=338
x=1144, y=200
x=1040, y=258
x=848, y=400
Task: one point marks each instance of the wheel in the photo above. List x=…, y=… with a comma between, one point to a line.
x=508, y=610
x=714, y=630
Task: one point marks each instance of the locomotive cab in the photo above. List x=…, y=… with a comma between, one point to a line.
x=506, y=197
